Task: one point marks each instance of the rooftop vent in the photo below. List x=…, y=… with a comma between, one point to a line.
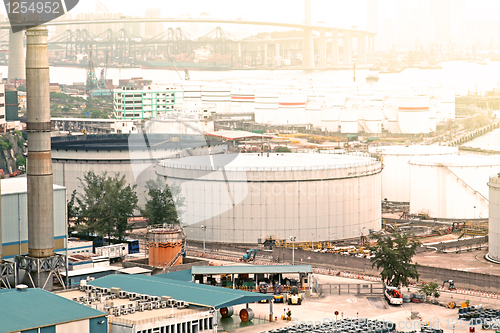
x=21, y=287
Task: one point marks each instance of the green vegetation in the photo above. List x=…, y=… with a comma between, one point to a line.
x=283, y=150
x=20, y=160
x=429, y=289
x=5, y=143
x=162, y=202
x=393, y=255
x=104, y=204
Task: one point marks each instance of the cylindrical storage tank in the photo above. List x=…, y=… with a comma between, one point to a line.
x=372, y=120
x=292, y=108
x=348, y=120
x=494, y=218
x=447, y=98
x=313, y=112
x=218, y=94
x=330, y=117
x=433, y=109
x=390, y=116
x=244, y=198
x=396, y=173
x=165, y=244
x=192, y=89
x=242, y=98
x=413, y=114
x=266, y=106
x=246, y=315
x=451, y=186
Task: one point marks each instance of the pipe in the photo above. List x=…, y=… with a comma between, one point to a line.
x=39, y=166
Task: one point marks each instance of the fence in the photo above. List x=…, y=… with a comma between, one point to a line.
x=351, y=288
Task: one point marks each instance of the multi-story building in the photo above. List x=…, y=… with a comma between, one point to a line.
x=134, y=104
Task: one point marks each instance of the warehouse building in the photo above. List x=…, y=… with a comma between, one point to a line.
x=36, y=310
x=15, y=218
x=134, y=104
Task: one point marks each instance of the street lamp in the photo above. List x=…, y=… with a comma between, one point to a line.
x=292, y=239
x=204, y=228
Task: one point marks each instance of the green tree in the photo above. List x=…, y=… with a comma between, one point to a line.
x=429, y=289
x=393, y=255
x=283, y=150
x=20, y=160
x=105, y=204
x=164, y=202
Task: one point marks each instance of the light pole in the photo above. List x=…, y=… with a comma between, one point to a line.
x=292, y=238
x=204, y=228
x=474, y=212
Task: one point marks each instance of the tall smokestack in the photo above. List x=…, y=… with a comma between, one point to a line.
x=16, y=56
x=39, y=162
x=308, y=44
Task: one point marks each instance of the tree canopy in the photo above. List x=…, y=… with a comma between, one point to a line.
x=104, y=204
x=164, y=202
x=393, y=255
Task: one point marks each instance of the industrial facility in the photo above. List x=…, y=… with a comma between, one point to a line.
x=243, y=198
x=166, y=245
x=494, y=218
x=451, y=186
x=396, y=173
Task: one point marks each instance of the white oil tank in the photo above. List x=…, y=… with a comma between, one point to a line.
x=266, y=105
x=390, y=117
x=218, y=94
x=372, y=119
x=396, y=172
x=348, y=120
x=192, y=89
x=242, y=98
x=292, y=108
x=451, y=186
x=313, y=111
x=330, y=117
x=494, y=218
x=413, y=114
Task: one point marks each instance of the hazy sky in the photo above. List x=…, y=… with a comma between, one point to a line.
x=341, y=13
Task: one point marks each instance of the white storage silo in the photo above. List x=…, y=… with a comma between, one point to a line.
x=242, y=98
x=314, y=112
x=390, y=118
x=372, y=120
x=330, y=117
x=266, y=105
x=292, y=108
x=396, y=173
x=413, y=114
x=348, y=120
x=494, y=218
x=218, y=94
x=192, y=89
x=451, y=186
x=433, y=113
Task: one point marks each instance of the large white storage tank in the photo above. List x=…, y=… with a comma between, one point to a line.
x=266, y=105
x=192, y=89
x=315, y=197
x=314, y=112
x=413, y=114
x=494, y=218
x=218, y=94
x=451, y=186
x=396, y=173
x=372, y=119
x=348, y=120
x=292, y=108
x=330, y=117
x=242, y=98
x=390, y=116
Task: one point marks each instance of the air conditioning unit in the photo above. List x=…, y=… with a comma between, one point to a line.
x=123, y=306
x=106, y=290
x=88, y=288
x=81, y=298
x=130, y=305
x=122, y=294
x=155, y=298
x=108, y=309
x=180, y=304
x=124, y=311
x=171, y=302
x=155, y=305
x=115, y=291
x=75, y=299
x=148, y=306
x=165, y=298
x=141, y=307
x=144, y=297
x=131, y=310
x=132, y=296
x=116, y=312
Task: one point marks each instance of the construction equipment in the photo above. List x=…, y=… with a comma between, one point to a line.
x=451, y=284
x=393, y=295
x=249, y=256
x=263, y=290
x=278, y=296
x=293, y=297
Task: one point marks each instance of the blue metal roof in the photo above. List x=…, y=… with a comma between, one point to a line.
x=184, y=275
x=32, y=308
x=197, y=294
x=251, y=269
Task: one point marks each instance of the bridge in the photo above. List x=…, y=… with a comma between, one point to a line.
x=328, y=42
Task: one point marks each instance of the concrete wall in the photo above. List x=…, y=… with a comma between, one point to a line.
x=463, y=279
